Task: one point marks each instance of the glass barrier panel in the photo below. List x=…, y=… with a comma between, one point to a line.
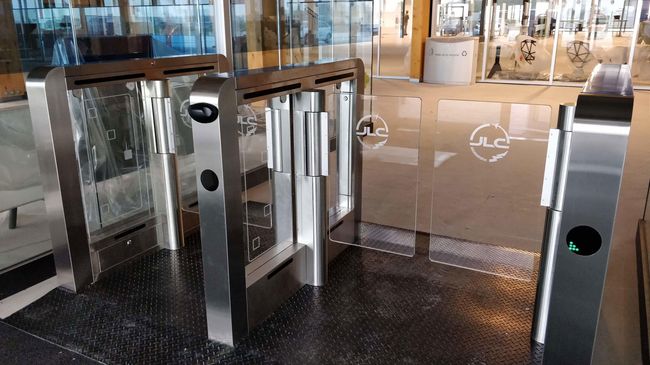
x=487, y=181
x=112, y=154
x=24, y=231
x=257, y=193
x=385, y=137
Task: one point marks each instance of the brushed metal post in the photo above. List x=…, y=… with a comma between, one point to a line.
x=160, y=128
x=311, y=153
x=279, y=146
x=53, y=135
x=213, y=108
x=594, y=170
x=349, y=162
x=557, y=159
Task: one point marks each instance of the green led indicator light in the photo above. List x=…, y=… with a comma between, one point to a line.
x=573, y=247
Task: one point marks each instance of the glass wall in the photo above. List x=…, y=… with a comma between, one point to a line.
x=557, y=41
x=294, y=32
x=63, y=32
x=591, y=33
x=255, y=26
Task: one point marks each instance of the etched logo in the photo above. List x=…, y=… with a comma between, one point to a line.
x=489, y=142
x=247, y=120
x=369, y=136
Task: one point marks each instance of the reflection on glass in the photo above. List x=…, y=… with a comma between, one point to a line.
x=592, y=32
x=257, y=194
x=459, y=17
x=521, y=40
x=641, y=61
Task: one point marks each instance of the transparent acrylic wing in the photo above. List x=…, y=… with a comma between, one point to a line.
x=373, y=181
x=112, y=153
x=257, y=193
x=180, y=100
x=487, y=181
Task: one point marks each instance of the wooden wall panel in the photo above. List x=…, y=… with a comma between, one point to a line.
x=12, y=82
x=419, y=35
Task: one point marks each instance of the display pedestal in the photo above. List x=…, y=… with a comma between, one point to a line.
x=450, y=60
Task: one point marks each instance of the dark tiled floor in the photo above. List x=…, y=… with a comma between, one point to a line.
x=18, y=347
x=376, y=308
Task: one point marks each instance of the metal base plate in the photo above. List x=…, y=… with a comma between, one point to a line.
x=376, y=308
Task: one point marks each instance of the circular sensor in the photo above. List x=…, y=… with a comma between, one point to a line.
x=583, y=240
x=203, y=112
x=209, y=180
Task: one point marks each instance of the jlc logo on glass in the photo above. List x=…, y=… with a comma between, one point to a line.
x=372, y=131
x=489, y=142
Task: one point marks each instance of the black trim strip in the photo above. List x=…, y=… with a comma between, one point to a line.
x=255, y=176
x=188, y=69
x=27, y=275
x=129, y=231
x=109, y=79
x=273, y=90
x=334, y=78
x=279, y=268
x=336, y=225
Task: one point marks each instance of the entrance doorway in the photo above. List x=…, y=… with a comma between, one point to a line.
x=393, y=39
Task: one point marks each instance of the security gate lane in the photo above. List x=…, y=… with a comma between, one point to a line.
x=106, y=141
x=303, y=167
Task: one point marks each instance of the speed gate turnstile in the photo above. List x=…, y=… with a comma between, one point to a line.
x=240, y=292
x=582, y=181
x=581, y=164
x=113, y=164
x=106, y=205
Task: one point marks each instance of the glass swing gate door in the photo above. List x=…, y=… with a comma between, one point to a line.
x=380, y=185
x=318, y=166
x=488, y=170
